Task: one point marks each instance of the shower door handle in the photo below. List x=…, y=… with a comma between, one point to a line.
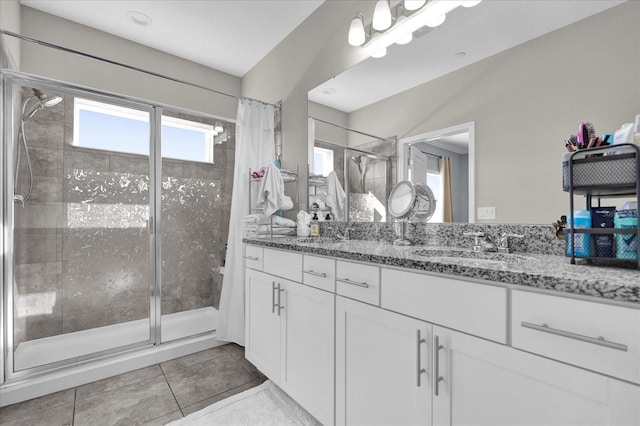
x=151, y=225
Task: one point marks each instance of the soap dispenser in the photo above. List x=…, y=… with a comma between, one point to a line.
x=315, y=226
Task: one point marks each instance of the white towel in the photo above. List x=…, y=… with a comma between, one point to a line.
x=287, y=203
x=255, y=218
x=271, y=190
x=336, y=197
x=274, y=231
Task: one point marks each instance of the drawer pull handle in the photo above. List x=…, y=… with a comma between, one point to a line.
x=251, y=257
x=348, y=281
x=419, y=369
x=317, y=274
x=595, y=340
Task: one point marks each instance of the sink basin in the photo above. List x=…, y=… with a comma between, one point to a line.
x=453, y=255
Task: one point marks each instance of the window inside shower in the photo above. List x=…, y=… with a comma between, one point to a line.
x=113, y=246
x=95, y=122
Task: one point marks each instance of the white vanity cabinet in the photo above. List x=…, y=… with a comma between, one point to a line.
x=367, y=344
x=382, y=367
x=484, y=383
x=289, y=332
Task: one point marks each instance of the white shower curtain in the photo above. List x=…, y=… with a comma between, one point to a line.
x=255, y=147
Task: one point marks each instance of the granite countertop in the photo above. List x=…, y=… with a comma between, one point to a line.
x=549, y=272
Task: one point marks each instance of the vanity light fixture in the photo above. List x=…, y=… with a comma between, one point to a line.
x=403, y=20
x=381, y=15
x=357, y=35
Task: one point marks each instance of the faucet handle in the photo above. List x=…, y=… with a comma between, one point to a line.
x=476, y=239
x=503, y=243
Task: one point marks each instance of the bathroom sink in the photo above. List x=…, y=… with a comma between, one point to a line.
x=453, y=255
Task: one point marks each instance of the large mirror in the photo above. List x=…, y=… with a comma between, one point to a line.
x=515, y=71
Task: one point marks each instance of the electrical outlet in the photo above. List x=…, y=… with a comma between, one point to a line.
x=486, y=213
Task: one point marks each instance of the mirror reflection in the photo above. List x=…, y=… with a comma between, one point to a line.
x=348, y=183
x=515, y=79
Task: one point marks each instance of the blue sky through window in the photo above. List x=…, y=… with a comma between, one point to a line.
x=114, y=132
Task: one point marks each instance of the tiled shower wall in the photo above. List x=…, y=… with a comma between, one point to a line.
x=82, y=242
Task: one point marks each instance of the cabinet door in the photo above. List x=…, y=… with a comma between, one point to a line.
x=308, y=348
x=378, y=367
x=262, y=323
x=485, y=383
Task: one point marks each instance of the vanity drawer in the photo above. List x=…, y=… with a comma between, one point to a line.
x=253, y=257
x=358, y=281
x=600, y=337
x=285, y=264
x=473, y=308
x=319, y=272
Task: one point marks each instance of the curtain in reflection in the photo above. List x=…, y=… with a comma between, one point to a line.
x=255, y=147
x=447, y=192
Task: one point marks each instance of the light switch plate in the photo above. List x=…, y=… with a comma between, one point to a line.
x=486, y=213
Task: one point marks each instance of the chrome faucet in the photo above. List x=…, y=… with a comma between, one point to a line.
x=503, y=242
x=338, y=234
x=481, y=242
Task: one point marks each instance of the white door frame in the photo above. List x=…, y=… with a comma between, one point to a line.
x=469, y=127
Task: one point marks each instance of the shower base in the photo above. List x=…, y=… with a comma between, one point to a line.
x=35, y=353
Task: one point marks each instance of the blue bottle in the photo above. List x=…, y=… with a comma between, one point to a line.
x=626, y=244
x=581, y=242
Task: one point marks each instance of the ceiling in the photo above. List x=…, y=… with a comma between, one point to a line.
x=467, y=36
x=234, y=35
x=228, y=35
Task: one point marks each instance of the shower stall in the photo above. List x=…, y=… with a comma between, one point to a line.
x=365, y=177
x=115, y=219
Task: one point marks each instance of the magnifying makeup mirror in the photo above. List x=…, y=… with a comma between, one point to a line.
x=411, y=202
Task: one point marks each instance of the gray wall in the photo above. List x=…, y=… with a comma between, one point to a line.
x=71, y=68
x=9, y=46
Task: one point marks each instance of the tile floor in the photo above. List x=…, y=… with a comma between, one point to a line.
x=150, y=396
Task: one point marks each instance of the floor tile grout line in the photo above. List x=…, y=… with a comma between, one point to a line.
x=166, y=379
x=75, y=398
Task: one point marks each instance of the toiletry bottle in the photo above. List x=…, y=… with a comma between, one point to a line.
x=315, y=226
x=327, y=217
x=582, y=220
x=626, y=244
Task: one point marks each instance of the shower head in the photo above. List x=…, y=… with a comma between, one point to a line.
x=47, y=100
x=356, y=159
x=42, y=100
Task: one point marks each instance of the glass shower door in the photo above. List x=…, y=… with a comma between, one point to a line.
x=82, y=253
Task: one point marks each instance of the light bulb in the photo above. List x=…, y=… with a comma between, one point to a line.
x=382, y=15
x=436, y=20
x=404, y=38
x=469, y=3
x=413, y=4
x=379, y=53
x=356, y=31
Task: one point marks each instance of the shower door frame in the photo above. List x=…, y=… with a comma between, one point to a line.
x=10, y=80
x=347, y=180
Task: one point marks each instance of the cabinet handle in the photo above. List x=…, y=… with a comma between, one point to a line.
x=419, y=369
x=595, y=340
x=317, y=274
x=280, y=307
x=251, y=257
x=273, y=297
x=348, y=281
x=436, y=366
